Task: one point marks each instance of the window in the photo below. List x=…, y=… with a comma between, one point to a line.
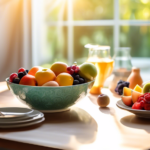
x=67, y=25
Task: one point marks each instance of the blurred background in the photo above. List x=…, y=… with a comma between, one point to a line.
x=40, y=32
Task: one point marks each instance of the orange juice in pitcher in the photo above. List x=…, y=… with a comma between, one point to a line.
x=100, y=57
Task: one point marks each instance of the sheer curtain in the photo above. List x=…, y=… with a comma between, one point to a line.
x=15, y=36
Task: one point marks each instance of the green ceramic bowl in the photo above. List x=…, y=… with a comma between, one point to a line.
x=49, y=98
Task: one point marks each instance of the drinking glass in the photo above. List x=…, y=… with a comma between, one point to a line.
x=122, y=66
x=100, y=57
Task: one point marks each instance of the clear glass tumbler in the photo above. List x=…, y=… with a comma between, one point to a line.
x=100, y=57
x=122, y=66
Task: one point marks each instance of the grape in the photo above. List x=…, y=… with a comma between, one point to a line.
x=22, y=74
x=77, y=77
x=68, y=68
x=71, y=71
x=81, y=80
x=75, y=82
x=12, y=76
x=16, y=80
x=21, y=70
x=73, y=67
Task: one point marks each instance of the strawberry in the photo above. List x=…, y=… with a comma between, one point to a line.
x=142, y=103
x=136, y=105
x=140, y=98
x=147, y=106
x=147, y=97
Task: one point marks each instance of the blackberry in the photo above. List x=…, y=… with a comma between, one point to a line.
x=120, y=85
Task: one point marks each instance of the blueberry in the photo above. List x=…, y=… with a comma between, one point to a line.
x=16, y=80
x=73, y=75
x=27, y=71
x=75, y=82
x=21, y=74
x=77, y=77
x=81, y=80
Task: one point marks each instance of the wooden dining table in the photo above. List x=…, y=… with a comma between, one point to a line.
x=85, y=126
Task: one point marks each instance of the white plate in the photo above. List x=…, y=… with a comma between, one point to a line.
x=14, y=112
x=139, y=113
x=8, y=121
x=22, y=124
x=54, y=111
x=30, y=115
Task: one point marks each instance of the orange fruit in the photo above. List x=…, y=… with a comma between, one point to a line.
x=34, y=69
x=59, y=67
x=138, y=88
x=127, y=91
x=44, y=75
x=64, y=79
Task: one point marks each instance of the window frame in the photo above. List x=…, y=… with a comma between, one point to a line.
x=37, y=25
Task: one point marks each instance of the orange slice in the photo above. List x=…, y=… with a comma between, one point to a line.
x=127, y=91
x=138, y=89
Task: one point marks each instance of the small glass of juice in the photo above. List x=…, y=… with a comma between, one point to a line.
x=100, y=57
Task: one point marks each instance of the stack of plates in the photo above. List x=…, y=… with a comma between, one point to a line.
x=14, y=117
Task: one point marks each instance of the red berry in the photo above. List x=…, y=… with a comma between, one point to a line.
x=21, y=70
x=147, y=97
x=12, y=76
x=140, y=98
x=73, y=67
x=142, y=103
x=136, y=105
x=71, y=71
x=76, y=70
x=147, y=106
x=68, y=68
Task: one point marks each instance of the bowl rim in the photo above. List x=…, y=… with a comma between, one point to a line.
x=7, y=81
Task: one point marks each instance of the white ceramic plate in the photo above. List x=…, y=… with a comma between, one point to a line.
x=14, y=112
x=22, y=124
x=139, y=113
x=54, y=111
x=8, y=121
x=34, y=113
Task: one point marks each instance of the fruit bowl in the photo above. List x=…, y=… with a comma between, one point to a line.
x=139, y=113
x=48, y=98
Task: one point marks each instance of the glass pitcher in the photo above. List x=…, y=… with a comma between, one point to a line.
x=122, y=66
x=100, y=57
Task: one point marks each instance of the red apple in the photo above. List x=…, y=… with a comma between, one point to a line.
x=28, y=80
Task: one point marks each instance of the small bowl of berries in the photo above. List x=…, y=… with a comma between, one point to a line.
x=136, y=100
x=52, y=89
